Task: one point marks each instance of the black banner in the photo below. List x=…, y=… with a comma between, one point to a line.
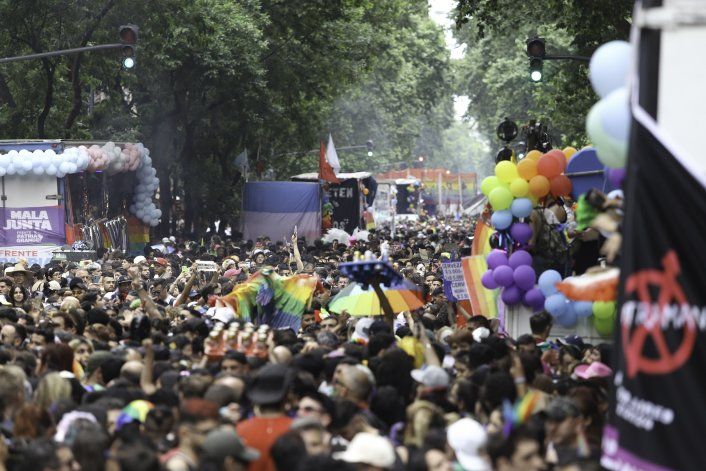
x=345, y=198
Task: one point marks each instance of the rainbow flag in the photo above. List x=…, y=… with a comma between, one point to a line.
x=278, y=301
x=483, y=300
x=481, y=239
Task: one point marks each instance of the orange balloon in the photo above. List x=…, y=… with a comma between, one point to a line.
x=560, y=186
x=559, y=156
x=549, y=166
x=527, y=168
x=539, y=186
x=533, y=155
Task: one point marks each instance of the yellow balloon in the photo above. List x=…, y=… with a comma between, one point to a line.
x=506, y=171
x=519, y=187
x=533, y=155
x=569, y=152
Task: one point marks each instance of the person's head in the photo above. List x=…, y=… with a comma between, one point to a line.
x=369, y=452
x=520, y=450
x=20, y=295
x=317, y=406
x=353, y=382
x=5, y=287
x=541, y=324
x=235, y=362
x=329, y=324
x=45, y=454
x=314, y=435
x=12, y=335
x=223, y=449
x=12, y=392
x=564, y=422
x=269, y=387
x=308, y=318
x=52, y=388
x=108, y=284
x=82, y=350
x=198, y=417
x=460, y=341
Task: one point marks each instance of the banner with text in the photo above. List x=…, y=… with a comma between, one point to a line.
x=39, y=254
x=454, y=282
x=32, y=226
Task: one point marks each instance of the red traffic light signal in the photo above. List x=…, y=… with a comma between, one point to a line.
x=536, y=47
x=128, y=37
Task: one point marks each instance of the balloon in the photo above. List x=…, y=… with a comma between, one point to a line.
x=569, y=152
x=521, y=208
x=533, y=155
x=556, y=305
x=506, y=171
x=519, y=258
x=519, y=187
x=549, y=166
x=615, y=114
x=502, y=276
x=539, y=186
x=611, y=152
x=604, y=327
x=559, y=157
x=521, y=232
x=500, y=198
x=489, y=184
x=487, y=280
x=501, y=220
x=604, y=310
x=609, y=67
x=583, y=308
x=496, y=258
x=560, y=185
x=616, y=176
x=547, y=282
x=3, y=171
x=38, y=170
x=511, y=295
x=524, y=277
x=534, y=299
x=527, y=168
x=569, y=318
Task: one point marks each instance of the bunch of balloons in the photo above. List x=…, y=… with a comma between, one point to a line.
x=608, y=121
x=515, y=276
x=142, y=206
x=565, y=312
x=604, y=317
x=113, y=159
x=44, y=162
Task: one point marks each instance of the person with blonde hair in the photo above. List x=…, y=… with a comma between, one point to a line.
x=69, y=303
x=52, y=388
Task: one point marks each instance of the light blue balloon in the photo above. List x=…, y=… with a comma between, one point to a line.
x=556, y=305
x=547, y=281
x=521, y=207
x=501, y=220
x=615, y=114
x=569, y=318
x=609, y=67
x=611, y=152
x=582, y=308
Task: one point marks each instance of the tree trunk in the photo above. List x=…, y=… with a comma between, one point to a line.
x=48, y=99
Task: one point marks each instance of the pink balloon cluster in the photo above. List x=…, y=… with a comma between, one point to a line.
x=515, y=276
x=99, y=159
x=132, y=156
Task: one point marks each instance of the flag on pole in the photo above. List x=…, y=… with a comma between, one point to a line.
x=332, y=155
x=482, y=300
x=481, y=239
x=241, y=161
x=326, y=172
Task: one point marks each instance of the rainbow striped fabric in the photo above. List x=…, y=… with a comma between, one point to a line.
x=483, y=301
x=278, y=301
x=481, y=239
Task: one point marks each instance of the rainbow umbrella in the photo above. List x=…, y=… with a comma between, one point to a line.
x=403, y=296
x=135, y=411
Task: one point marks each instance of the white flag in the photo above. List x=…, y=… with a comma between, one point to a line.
x=241, y=161
x=332, y=156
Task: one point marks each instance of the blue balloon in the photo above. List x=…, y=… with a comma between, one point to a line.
x=609, y=67
x=501, y=220
x=615, y=114
x=582, y=308
x=547, y=282
x=521, y=207
x=556, y=305
x=569, y=318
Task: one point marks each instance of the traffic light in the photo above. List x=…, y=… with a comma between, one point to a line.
x=536, y=50
x=369, y=145
x=128, y=38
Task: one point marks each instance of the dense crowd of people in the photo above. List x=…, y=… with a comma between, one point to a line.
x=105, y=365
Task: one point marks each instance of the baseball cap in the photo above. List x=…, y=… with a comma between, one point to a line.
x=161, y=261
x=594, y=370
x=432, y=377
x=139, y=259
x=573, y=340
x=467, y=437
x=370, y=449
x=224, y=442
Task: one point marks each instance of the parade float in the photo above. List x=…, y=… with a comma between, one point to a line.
x=67, y=199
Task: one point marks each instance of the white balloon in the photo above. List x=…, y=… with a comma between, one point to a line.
x=38, y=170
x=51, y=169
x=609, y=67
x=49, y=154
x=21, y=171
x=11, y=169
x=2, y=172
x=26, y=165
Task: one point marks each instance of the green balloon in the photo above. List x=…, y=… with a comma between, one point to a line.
x=604, y=310
x=611, y=152
x=604, y=327
x=500, y=198
x=489, y=184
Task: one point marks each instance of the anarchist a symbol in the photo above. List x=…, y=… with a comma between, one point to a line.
x=669, y=292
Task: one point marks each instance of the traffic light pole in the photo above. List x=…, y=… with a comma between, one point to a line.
x=64, y=52
x=559, y=57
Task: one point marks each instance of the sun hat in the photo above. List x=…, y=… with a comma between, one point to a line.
x=467, y=437
x=370, y=449
x=432, y=376
x=594, y=370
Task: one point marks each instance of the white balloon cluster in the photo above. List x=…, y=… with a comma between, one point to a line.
x=147, y=183
x=44, y=162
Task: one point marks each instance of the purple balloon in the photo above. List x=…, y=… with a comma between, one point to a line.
x=496, y=258
x=503, y=276
x=616, y=176
x=524, y=277
x=519, y=258
x=534, y=299
x=511, y=295
x=521, y=232
x=487, y=280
